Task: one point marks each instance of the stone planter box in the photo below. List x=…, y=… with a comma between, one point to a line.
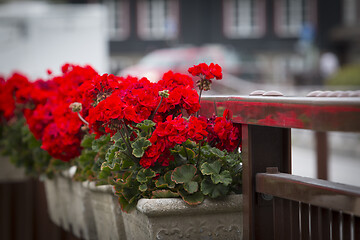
x=53, y=200
x=107, y=212
x=82, y=221
x=172, y=218
x=69, y=205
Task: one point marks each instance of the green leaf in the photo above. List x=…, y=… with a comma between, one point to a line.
x=191, y=186
x=100, y=142
x=224, y=177
x=139, y=146
x=145, y=125
x=210, y=168
x=143, y=187
x=107, y=169
x=183, y=174
x=192, y=199
x=126, y=206
x=217, y=152
x=165, y=181
x=116, y=136
x=164, y=194
x=213, y=190
x=126, y=180
x=144, y=175
x=187, y=153
x=87, y=140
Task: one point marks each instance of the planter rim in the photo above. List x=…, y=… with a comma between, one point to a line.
x=101, y=188
x=175, y=206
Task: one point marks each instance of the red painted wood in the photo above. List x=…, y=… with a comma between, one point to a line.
x=321, y=114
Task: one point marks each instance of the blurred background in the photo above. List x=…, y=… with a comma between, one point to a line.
x=292, y=46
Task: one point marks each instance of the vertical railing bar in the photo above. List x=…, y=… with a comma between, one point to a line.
x=346, y=229
x=322, y=155
x=278, y=218
x=335, y=225
x=294, y=219
x=315, y=222
x=356, y=227
x=352, y=227
x=325, y=224
x=305, y=233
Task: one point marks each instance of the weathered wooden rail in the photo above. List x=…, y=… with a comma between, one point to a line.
x=278, y=205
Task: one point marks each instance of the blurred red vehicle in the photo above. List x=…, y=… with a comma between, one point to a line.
x=156, y=63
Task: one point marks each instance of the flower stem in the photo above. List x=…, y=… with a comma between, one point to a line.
x=128, y=146
x=199, y=154
x=82, y=119
x=157, y=108
x=197, y=113
x=187, y=157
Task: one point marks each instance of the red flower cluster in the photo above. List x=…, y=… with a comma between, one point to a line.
x=222, y=133
x=9, y=94
x=110, y=103
x=207, y=71
x=131, y=101
x=169, y=133
x=45, y=105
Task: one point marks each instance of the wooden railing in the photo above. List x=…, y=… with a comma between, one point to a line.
x=278, y=205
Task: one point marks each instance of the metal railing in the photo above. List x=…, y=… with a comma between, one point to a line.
x=278, y=205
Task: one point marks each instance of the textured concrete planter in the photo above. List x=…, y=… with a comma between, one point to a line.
x=83, y=222
x=107, y=213
x=172, y=218
x=69, y=205
x=53, y=200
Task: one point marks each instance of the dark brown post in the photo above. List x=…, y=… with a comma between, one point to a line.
x=322, y=155
x=262, y=147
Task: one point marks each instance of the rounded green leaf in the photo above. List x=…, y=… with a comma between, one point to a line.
x=139, y=147
x=192, y=199
x=144, y=175
x=183, y=174
x=191, y=187
x=143, y=187
x=224, y=177
x=213, y=190
x=210, y=168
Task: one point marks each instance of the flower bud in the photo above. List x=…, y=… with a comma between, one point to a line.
x=76, y=107
x=164, y=93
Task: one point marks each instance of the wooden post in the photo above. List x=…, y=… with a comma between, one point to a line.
x=262, y=147
x=321, y=155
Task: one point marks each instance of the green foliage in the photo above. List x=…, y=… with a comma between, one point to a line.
x=192, y=199
x=195, y=173
x=164, y=194
x=348, y=75
x=139, y=146
x=208, y=187
x=165, y=181
x=144, y=175
x=90, y=162
x=19, y=144
x=213, y=169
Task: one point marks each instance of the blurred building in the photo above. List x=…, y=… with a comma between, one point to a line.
x=278, y=40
